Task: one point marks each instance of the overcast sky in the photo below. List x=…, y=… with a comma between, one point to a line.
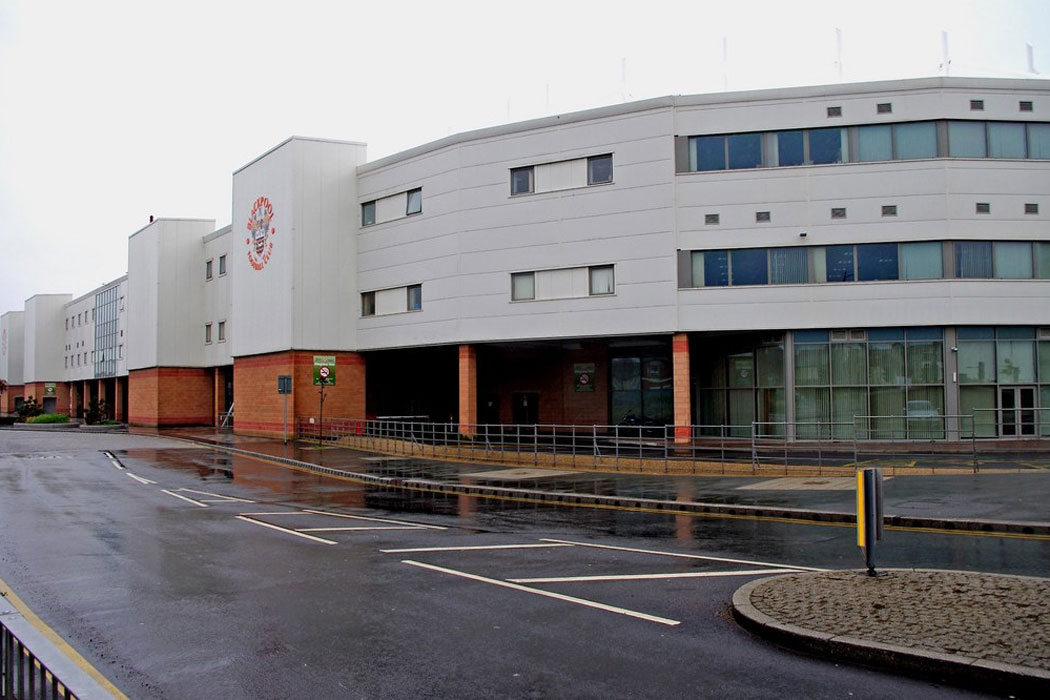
x=114, y=110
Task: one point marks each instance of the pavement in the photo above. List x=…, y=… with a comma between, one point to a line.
x=977, y=629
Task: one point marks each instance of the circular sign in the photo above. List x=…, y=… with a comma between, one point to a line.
x=324, y=372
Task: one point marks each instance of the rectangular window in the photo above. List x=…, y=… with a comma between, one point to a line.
x=222, y=331
x=1039, y=141
x=889, y=210
x=601, y=280
x=207, y=270
x=716, y=268
x=750, y=266
x=762, y=217
x=222, y=264
x=877, y=261
x=875, y=143
x=827, y=146
x=1031, y=208
x=790, y=150
x=1042, y=268
x=835, y=111
x=839, y=263
x=521, y=180
x=977, y=105
x=966, y=140
x=415, y=297
x=707, y=153
x=921, y=261
x=1024, y=106
x=368, y=213
x=414, y=204
x=745, y=151
x=599, y=169
x=710, y=219
x=973, y=259
x=368, y=303
x=788, y=265
x=1006, y=140
x=207, y=333
x=522, y=286
x=916, y=140
x=838, y=212
x=884, y=108
x=983, y=208
x=1012, y=260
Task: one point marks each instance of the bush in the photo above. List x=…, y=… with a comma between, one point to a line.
x=29, y=408
x=49, y=418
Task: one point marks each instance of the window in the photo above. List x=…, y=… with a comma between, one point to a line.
x=207, y=270
x=120, y=351
x=368, y=304
x=414, y=203
x=875, y=143
x=977, y=105
x=966, y=140
x=1031, y=208
x=749, y=266
x=521, y=180
x=415, y=297
x=827, y=146
x=876, y=261
x=834, y=111
x=122, y=303
x=884, y=108
x=67, y=324
x=207, y=333
x=983, y=208
x=790, y=150
x=1024, y=106
x=916, y=140
x=1039, y=141
x=599, y=169
x=707, y=153
x=889, y=210
x=715, y=268
x=762, y=217
x=222, y=264
x=601, y=280
x=838, y=212
x=368, y=213
x=1012, y=259
x=1006, y=140
x=710, y=219
x=838, y=263
x=222, y=331
x=788, y=266
x=522, y=286
x=745, y=151
x=921, y=261
x=973, y=259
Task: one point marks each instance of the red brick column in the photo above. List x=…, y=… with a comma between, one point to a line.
x=219, y=391
x=117, y=409
x=682, y=390
x=468, y=389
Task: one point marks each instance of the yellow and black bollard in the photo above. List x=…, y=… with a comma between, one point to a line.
x=869, y=514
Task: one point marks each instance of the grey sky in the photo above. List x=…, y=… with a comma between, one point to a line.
x=114, y=110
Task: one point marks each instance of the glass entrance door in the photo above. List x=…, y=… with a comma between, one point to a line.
x=1017, y=411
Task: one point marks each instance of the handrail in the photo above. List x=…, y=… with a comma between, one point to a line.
x=23, y=676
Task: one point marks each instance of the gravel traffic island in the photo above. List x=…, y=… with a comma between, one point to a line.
x=964, y=627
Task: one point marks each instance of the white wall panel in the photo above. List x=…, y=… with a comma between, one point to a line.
x=12, y=347
x=44, y=336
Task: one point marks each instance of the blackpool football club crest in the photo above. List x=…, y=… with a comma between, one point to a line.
x=260, y=233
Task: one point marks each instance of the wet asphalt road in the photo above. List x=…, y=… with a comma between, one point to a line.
x=172, y=595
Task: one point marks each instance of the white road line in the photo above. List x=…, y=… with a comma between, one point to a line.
x=354, y=529
x=139, y=479
x=284, y=529
x=646, y=577
x=470, y=549
x=188, y=500
x=546, y=594
x=685, y=556
x=375, y=520
x=280, y=512
x=217, y=495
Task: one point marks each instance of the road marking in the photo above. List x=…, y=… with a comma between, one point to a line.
x=139, y=479
x=217, y=495
x=188, y=500
x=645, y=577
x=355, y=529
x=470, y=549
x=686, y=556
x=546, y=594
x=375, y=520
x=284, y=529
x=113, y=460
x=62, y=645
x=280, y=512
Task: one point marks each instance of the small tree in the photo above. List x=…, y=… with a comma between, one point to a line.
x=30, y=408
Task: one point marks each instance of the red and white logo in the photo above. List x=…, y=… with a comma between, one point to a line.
x=260, y=247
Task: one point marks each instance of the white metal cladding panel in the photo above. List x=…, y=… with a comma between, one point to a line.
x=561, y=175
x=391, y=301
x=44, y=334
x=561, y=284
x=325, y=300
x=927, y=302
x=217, y=300
x=80, y=338
x=180, y=300
x=390, y=208
x=142, y=298
x=12, y=349
x=261, y=299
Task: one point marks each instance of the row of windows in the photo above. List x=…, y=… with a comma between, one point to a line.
x=413, y=205
x=396, y=300
x=887, y=107
x=207, y=332
x=86, y=316
x=562, y=283
x=765, y=217
x=599, y=170
x=868, y=262
x=869, y=143
x=208, y=267
x=81, y=358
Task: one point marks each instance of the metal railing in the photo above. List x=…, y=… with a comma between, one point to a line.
x=941, y=442
x=1012, y=423
x=23, y=676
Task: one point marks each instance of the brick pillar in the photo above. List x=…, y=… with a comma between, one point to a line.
x=682, y=391
x=117, y=410
x=468, y=389
x=219, y=390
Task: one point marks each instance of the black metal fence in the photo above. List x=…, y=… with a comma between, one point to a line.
x=22, y=675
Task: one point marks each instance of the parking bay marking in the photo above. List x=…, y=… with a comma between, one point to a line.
x=188, y=500
x=139, y=479
x=547, y=594
x=413, y=550
x=684, y=556
x=284, y=529
x=649, y=577
x=387, y=524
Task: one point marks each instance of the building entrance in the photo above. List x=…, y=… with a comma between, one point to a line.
x=1017, y=414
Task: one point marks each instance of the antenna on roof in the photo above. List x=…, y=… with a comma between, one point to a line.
x=1030, y=54
x=946, y=62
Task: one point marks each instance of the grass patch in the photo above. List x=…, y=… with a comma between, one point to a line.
x=49, y=418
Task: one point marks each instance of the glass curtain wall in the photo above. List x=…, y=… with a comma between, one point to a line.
x=1003, y=372
x=741, y=385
